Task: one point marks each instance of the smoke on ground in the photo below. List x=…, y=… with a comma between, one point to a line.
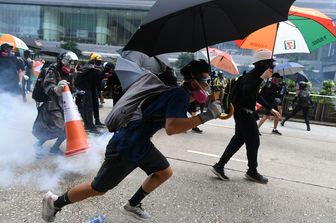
x=18, y=164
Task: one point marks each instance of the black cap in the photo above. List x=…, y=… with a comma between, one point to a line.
x=194, y=70
x=276, y=75
x=5, y=46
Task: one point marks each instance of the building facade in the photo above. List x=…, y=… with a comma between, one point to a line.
x=102, y=22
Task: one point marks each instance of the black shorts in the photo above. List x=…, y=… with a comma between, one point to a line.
x=115, y=167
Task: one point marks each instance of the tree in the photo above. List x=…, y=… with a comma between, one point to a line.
x=72, y=46
x=328, y=88
x=183, y=59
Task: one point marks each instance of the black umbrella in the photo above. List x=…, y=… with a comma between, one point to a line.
x=190, y=25
x=52, y=51
x=297, y=77
x=32, y=43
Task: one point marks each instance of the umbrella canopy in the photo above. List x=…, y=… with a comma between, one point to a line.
x=52, y=51
x=32, y=43
x=155, y=64
x=288, y=68
x=190, y=25
x=297, y=77
x=12, y=40
x=305, y=31
x=128, y=72
x=221, y=60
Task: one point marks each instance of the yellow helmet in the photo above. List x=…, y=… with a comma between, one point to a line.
x=95, y=57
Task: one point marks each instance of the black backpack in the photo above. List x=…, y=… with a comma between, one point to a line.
x=38, y=92
x=230, y=93
x=303, y=98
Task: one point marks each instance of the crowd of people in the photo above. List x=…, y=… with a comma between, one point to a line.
x=130, y=146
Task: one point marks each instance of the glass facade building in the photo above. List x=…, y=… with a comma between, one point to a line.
x=59, y=23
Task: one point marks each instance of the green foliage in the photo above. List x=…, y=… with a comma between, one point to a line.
x=183, y=59
x=72, y=46
x=291, y=85
x=328, y=88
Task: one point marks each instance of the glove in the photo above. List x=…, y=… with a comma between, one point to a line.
x=59, y=88
x=20, y=84
x=26, y=77
x=213, y=112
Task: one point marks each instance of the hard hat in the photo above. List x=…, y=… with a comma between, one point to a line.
x=95, y=57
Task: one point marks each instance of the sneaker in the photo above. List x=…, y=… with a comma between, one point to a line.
x=256, y=177
x=259, y=133
x=48, y=209
x=137, y=212
x=282, y=123
x=94, y=130
x=219, y=172
x=276, y=132
x=56, y=152
x=39, y=151
x=98, y=123
x=197, y=130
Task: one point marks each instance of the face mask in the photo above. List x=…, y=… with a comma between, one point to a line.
x=66, y=69
x=200, y=95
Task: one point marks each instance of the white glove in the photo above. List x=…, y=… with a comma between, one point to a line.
x=213, y=111
x=25, y=77
x=59, y=88
x=20, y=84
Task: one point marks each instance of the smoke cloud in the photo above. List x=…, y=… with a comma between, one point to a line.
x=18, y=164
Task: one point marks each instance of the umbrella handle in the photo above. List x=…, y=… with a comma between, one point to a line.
x=225, y=117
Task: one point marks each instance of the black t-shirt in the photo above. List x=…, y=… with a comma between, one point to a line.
x=9, y=77
x=269, y=92
x=248, y=91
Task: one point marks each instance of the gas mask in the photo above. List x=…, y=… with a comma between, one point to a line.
x=199, y=93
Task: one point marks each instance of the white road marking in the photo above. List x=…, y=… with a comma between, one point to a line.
x=214, y=155
x=218, y=125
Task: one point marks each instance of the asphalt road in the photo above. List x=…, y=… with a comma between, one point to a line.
x=300, y=165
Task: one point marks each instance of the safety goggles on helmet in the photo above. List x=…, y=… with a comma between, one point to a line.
x=69, y=59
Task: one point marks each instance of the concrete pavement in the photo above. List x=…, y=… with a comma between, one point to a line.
x=300, y=165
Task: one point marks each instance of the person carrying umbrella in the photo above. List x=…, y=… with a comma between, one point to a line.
x=130, y=147
x=246, y=129
x=303, y=102
x=10, y=71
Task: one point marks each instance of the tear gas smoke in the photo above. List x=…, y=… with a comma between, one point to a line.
x=18, y=165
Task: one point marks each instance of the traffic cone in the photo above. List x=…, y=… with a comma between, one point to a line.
x=76, y=138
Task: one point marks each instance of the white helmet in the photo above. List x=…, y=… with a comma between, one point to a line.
x=69, y=59
x=262, y=54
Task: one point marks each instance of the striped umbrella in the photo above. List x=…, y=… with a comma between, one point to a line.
x=305, y=31
x=221, y=60
x=14, y=41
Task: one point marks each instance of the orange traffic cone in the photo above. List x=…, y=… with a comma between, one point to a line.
x=76, y=138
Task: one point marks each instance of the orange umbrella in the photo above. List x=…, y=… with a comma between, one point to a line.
x=12, y=40
x=305, y=31
x=221, y=60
